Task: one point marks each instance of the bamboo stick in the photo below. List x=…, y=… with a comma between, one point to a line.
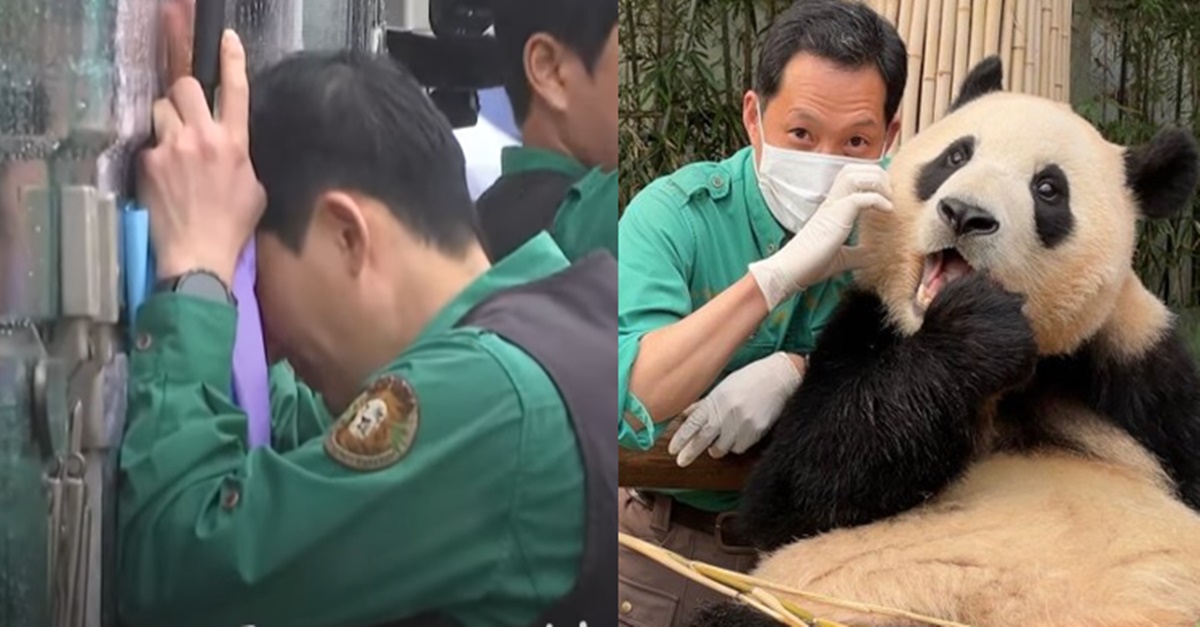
x=962, y=46
x=1056, y=60
x=904, y=21
x=1020, y=43
x=944, y=80
x=1033, y=49
x=933, y=27
x=991, y=36
x=756, y=592
x=978, y=23
x=1046, y=49
x=1007, y=39
x=893, y=11
x=1068, y=32
x=912, y=90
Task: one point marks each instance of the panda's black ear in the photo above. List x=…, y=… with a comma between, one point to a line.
x=1163, y=173
x=984, y=78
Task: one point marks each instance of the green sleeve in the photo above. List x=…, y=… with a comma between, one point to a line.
x=214, y=534
x=297, y=413
x=587, y=219
x=658, y=246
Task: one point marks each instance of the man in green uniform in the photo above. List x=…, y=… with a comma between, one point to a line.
x=730, y=270
x=560, y=60
x=451, y=484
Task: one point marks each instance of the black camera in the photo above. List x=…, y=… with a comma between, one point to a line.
x=457, y=61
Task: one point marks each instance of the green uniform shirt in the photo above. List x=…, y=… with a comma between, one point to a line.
x=587, y=218
x=684, y=239
x=482, y=519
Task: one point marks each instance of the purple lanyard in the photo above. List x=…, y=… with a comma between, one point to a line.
x=251, y=387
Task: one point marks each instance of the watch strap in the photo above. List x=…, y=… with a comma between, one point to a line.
x=198, y=283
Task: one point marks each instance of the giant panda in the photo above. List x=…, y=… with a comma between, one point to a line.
x=1000, y=425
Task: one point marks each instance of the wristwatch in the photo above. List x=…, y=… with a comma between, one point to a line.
x=200, y=284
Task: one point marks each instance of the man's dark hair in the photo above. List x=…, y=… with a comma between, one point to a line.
x=348, y=120
x=846, y=32
x=583, y=26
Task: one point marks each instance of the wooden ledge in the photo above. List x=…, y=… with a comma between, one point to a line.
x=657, y=469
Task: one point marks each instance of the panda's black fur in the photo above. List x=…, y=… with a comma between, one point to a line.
x=884, y=421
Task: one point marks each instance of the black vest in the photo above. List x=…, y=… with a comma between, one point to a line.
x=567, y=322
x=517, y=206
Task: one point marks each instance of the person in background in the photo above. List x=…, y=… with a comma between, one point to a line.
x=561, y=75
x=729, y=271
x=483, y=143
x=436, y=468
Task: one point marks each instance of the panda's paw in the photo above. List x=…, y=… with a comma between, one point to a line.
x=976, y=314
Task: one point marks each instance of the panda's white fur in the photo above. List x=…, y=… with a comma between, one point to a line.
x=1089, y=530
x=1050, y=538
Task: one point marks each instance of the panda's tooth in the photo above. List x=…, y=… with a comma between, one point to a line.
x=923, y=298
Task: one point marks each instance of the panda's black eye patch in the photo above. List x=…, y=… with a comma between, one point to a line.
x=935, y=173
x=1052, y=205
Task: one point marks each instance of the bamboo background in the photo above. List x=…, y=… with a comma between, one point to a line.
x=1129, y=66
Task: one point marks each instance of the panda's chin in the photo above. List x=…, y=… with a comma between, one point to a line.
x=940, y=269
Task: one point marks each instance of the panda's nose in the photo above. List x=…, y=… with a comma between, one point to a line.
x=967, y=219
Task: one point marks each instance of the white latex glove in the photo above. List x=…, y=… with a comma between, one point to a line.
x=817, y=252
x=738, y=411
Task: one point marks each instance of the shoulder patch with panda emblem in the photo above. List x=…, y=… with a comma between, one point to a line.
x=378, y=428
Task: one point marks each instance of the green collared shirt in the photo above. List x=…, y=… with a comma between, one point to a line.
x=684, y=239
x=587, y=218
x=481, y=519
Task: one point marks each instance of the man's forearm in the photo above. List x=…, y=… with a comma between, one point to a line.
x=676, y=363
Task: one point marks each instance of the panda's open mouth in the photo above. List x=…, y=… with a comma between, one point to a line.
x=941, y=268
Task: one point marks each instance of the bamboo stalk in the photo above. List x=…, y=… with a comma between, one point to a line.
x=1056, y=60
x=945, y=59
x=1046, y=49
x=991, y=36
x=904, y=22
x=1067, y=34
x=680, y=567
x=1007, y=38
x=893, y=11
x=912, y=90
x=1033, y=49
x=962, y=46
x=933, y=29
x=1020, y=43
x=751, y=589
x=978, y=23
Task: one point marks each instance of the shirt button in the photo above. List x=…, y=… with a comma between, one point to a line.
x=144, y=341
x=717, y=181
x=772, y=247
x=626, y=607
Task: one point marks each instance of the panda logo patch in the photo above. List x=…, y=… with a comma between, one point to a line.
x=378, y=428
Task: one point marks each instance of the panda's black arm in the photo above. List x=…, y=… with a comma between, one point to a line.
x=883, y=421
x=1156, y=398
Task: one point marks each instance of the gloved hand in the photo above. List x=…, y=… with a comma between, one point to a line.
x=817, y=252
x=738, y=411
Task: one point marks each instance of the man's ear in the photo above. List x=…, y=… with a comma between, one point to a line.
x=751, y=120
x=545, y=60
x=341, y=219
x=892, y=136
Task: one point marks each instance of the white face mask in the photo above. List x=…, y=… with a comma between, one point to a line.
x=794, y=183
